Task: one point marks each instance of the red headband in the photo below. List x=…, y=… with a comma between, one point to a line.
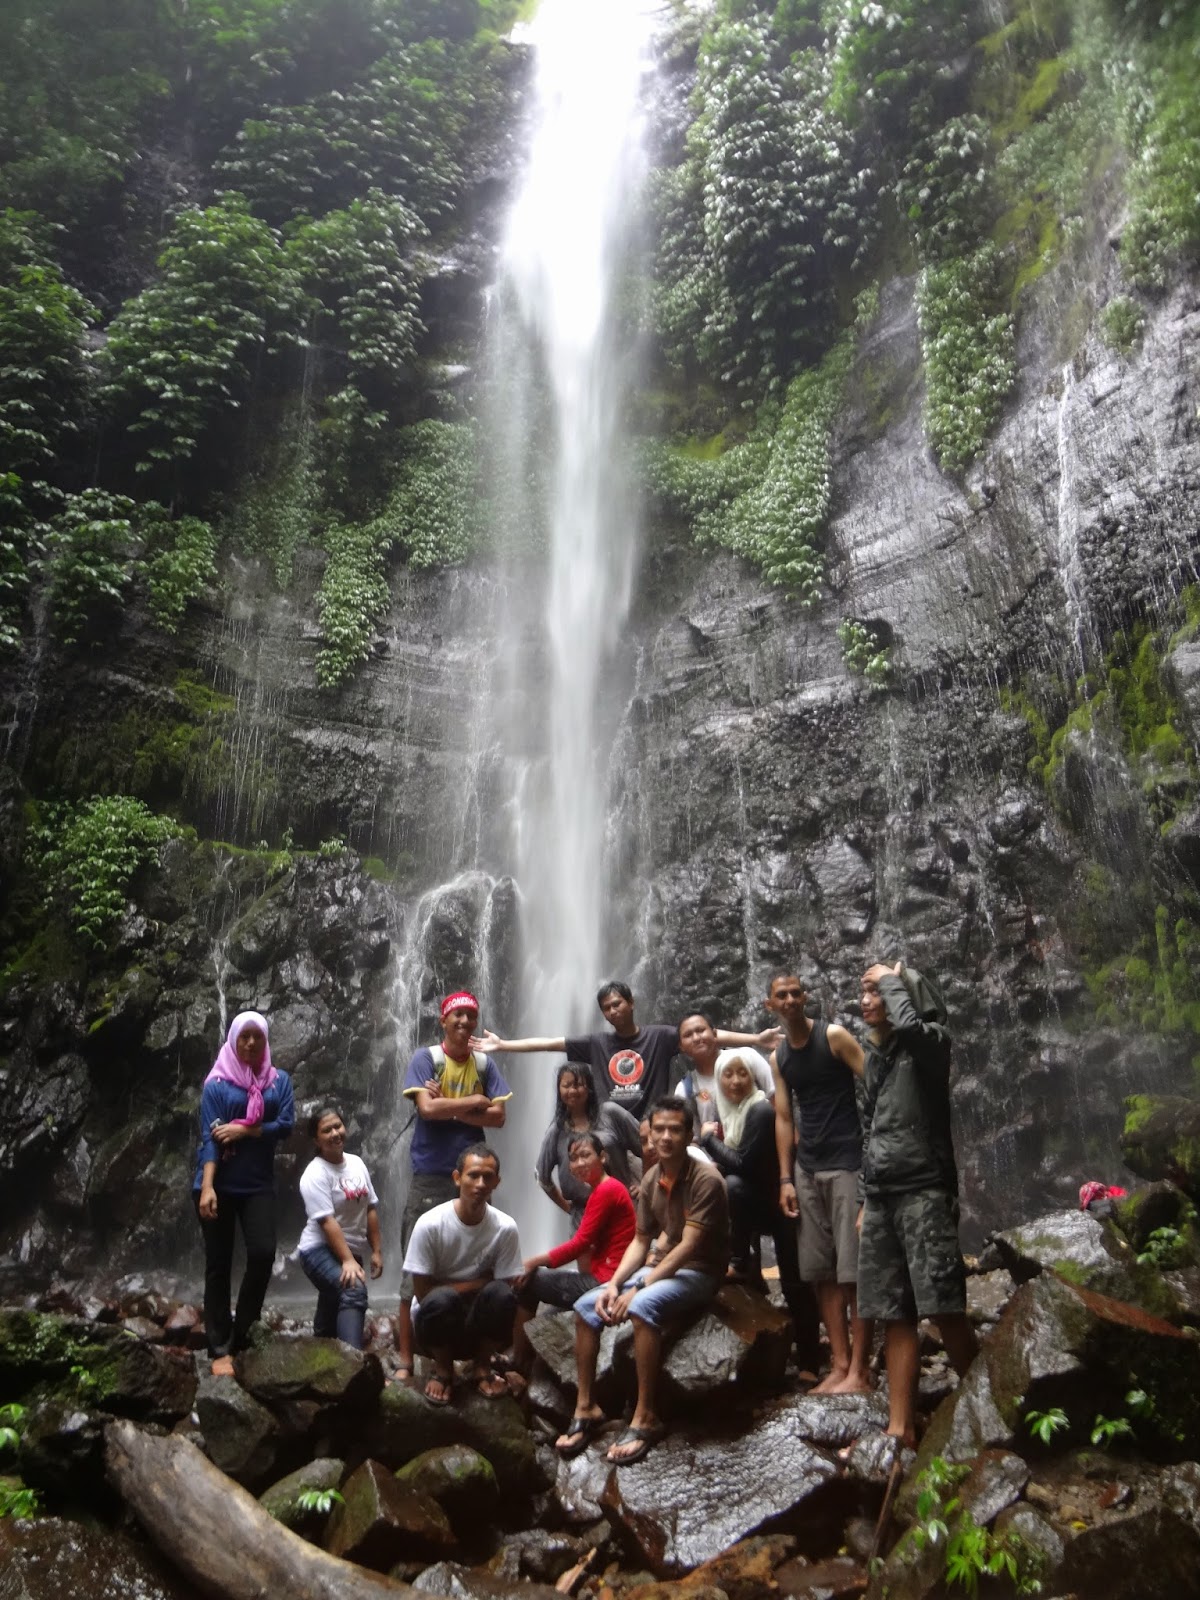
x=459, y=1002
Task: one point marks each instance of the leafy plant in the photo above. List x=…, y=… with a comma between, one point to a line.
x=332, y=849
x=1121, y=323
x=967, y=342
x=321, y=1501
x=1106, y=1429
x=863, y=654
x=1045, y=1424
x=969, y=1551
x=86, y=1382
x=180, y=564
x=17, y=1501
x=11, y=1417
x=91, y=547
x=89, y=854
x=1162, y=1248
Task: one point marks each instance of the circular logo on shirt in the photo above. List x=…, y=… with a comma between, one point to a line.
x=626, y=1067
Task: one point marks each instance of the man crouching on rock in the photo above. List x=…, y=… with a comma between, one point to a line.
x=683, y=1208
x=465, y=1259
x=909, y=1263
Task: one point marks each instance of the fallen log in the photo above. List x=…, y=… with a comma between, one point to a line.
x=217, y=1534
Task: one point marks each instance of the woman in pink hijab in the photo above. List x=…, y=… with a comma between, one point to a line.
x=245, y=1110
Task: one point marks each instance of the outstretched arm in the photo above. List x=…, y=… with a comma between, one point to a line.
x=766, y=1040
x=493, y=1044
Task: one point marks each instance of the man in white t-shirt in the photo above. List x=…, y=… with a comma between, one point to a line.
x=465, y=1258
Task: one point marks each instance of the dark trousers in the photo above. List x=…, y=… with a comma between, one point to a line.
x=460, y=1323
x=255, y=1213
x=753, y=1213
x=341, y=1308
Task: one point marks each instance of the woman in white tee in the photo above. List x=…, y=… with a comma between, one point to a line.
x=343, y=1224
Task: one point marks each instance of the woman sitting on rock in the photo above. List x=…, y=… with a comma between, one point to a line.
x=576, y=1110
x=343, y=1224
x=605, y=1229
x=245, y=1110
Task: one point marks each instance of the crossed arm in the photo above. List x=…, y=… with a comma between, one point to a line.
x=476, y=1110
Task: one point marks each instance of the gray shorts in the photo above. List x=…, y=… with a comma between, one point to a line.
x=909, y=1263
x=425, y=1190
x=828, y=1236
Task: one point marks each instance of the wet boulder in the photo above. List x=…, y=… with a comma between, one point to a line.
x=541, y=1555
x=701, y=1489
x=62, y=1447
x=282, y=1499
x=461, y=1481
x=743, y=1340
x=322, y=1370
x=1086, y=1251
x=241, y=1437
x=380, y=1522
x=838, y=1578
x=580, y=1483
x=835, y=1420
x=1161, y=1139
x=44, y=1105
x=404, y=1426
x=51, y=1558
x=746, y=1571
x=448, y=1580
x=552, y=1335
x=1058, y=1346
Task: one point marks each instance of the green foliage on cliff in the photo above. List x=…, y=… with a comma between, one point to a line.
x=967, y=338
x=90, y=853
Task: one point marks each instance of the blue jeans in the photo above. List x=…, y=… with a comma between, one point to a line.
x=668, y=1300
x=341, y=1310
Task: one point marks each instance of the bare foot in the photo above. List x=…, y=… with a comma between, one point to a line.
x=222, y=1367
x=852, y=1383
x=829, y=1383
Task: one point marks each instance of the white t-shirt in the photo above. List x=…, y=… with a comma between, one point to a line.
x=444, y=1247
x=343, y=1192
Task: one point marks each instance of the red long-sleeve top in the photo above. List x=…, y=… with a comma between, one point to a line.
x=605, y=1231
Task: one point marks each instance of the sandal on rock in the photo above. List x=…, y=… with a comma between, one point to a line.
x=447, y=1385
x=403, y=1376
x=223, y=1367
x=491, y=1385
x=644, y=1438
x=578, y=1435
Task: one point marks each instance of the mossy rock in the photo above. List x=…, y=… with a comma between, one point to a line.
x=1161, y=1205
x=1161, y=1139
x=37, y=1347
x=380, y=1521
x=1086, y=1252
x=406, y=1426
x=462, y=1481
x=325, y=1370
x=281, y=1500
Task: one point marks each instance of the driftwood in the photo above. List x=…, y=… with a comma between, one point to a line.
x=218, y=1535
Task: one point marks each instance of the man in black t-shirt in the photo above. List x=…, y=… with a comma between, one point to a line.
x=815, y=1069
x=630, y=1065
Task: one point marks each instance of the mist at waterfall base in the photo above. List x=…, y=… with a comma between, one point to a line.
x=559, y=367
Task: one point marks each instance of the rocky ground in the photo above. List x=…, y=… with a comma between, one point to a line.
x=1067, y=1458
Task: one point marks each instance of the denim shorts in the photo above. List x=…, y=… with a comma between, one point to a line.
x=668, y=1300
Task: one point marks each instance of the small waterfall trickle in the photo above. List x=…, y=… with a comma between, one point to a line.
x=1070, y=556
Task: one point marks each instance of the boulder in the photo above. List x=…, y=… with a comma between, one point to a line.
x=742, y=1341
x=1161, y=1139
x=580, y=1483
x=241, y=1437
x=703, y=1488
x=743, y=1572
x=380, y=1521
x=1062, y=1346
x=461, y=1481
x=541, y=1555
x=62, y=1447
x=280, y=1500
x=50, y=1558
x=405, y=1425
x=322, y=1370
x=838, y=1578
x=1085, y=1251
x=995, y=1482
x=450, y=1581
x=834, y=1420
x=1159, y=1205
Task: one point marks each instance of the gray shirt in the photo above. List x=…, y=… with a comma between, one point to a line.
x=617, y=1132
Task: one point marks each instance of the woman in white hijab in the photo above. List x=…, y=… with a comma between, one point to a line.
x=742, y=1145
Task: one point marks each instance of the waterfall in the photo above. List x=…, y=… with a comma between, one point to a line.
x=561, y=368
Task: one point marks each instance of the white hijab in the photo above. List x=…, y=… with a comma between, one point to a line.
x=733, y=1115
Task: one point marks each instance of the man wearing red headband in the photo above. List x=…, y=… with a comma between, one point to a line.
x=457, y=1092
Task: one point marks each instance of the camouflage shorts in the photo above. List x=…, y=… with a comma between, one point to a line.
x=909, y=1263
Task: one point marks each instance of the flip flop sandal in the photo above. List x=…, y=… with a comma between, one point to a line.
x=579, y=1435
x=644, y=1438
x=436, y=1399
x=403, y=1376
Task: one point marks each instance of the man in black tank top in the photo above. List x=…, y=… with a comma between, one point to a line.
x=815, y=1067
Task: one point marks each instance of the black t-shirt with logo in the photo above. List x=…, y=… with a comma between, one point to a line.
x=634, y=1072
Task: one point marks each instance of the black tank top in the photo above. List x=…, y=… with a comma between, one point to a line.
x=822, y=1089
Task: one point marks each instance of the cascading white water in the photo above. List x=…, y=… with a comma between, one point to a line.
x=561, y=374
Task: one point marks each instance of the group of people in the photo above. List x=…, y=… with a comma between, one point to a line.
x=839, y=1152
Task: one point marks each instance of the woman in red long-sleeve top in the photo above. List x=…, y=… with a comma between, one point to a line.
x=607, y=1227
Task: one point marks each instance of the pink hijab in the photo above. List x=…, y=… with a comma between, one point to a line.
x=228, y=1068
